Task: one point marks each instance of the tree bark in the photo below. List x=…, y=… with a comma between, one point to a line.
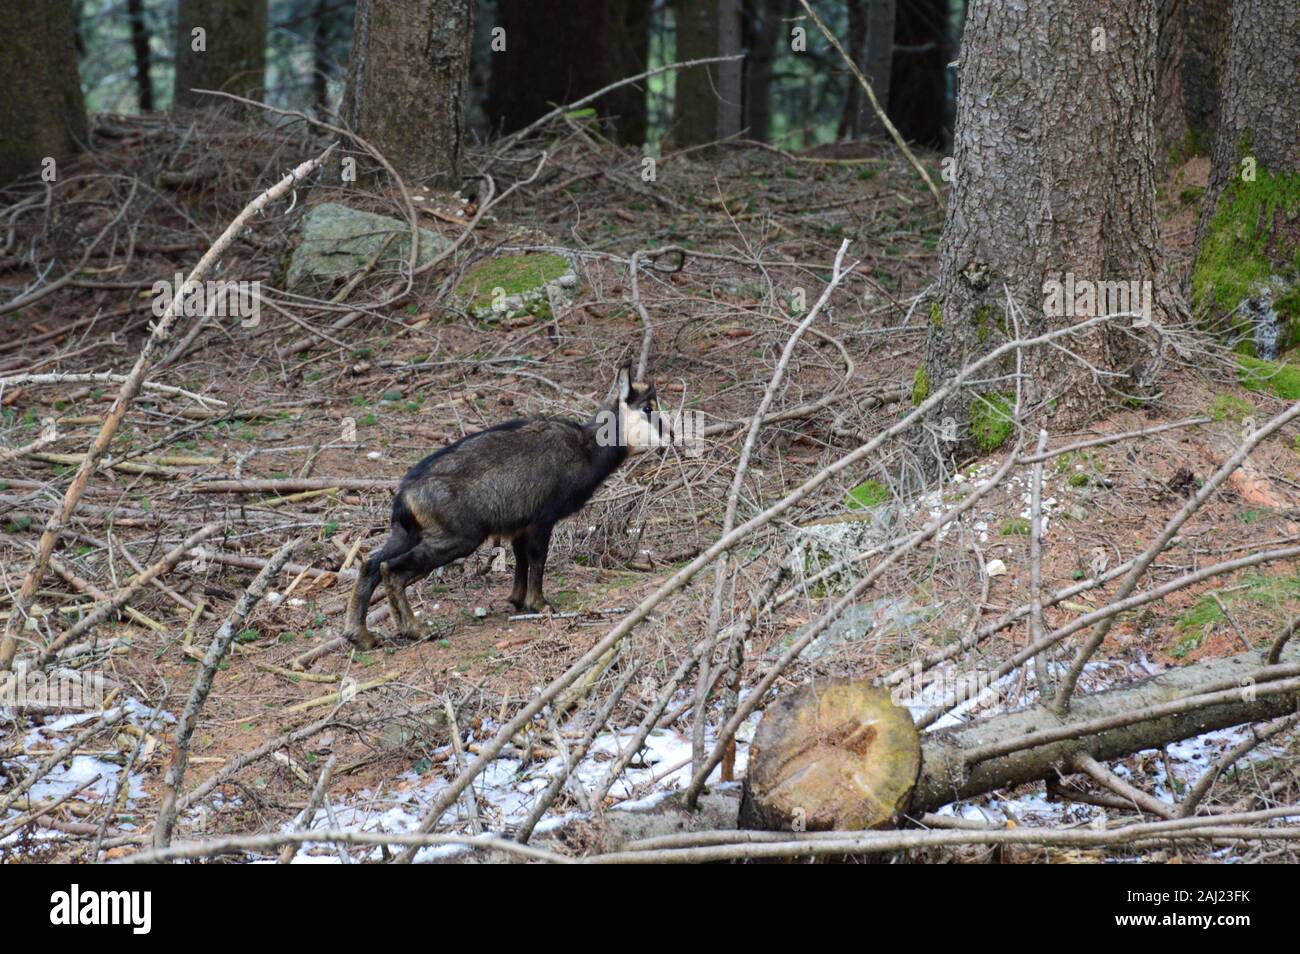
x=406, y=83
x=1248, y=244
x=229, y=54
x=558, y=51
x=918, y=78
x=42, y=112
x=1054, y=179
x=140, y=47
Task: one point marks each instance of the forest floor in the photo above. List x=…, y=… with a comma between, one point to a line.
x=416, y=377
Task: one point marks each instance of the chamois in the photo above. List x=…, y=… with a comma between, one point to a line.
x=514, y=481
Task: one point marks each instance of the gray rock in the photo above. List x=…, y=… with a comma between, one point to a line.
x=337, y=242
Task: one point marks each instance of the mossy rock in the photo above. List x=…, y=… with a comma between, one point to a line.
x=991, y=419
x=337, y=242
x=1249, y=262
x=512, y=285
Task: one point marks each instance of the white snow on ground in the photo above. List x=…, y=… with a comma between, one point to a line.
x=40, y=741
x=506, y=791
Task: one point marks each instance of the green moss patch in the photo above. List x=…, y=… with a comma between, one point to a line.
x=512, y=274
x=1257, y=590
x=1280, y=379
x=869, y=493
x=991, y=419
x=920, y=387
x=1229, y=408
x=1252, y=250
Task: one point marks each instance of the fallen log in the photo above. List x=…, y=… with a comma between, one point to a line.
x=803, y=757
x=835, y=755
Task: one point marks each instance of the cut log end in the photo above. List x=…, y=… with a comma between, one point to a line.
x=834, y=755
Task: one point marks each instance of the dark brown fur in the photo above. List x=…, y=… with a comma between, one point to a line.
x=515, y=481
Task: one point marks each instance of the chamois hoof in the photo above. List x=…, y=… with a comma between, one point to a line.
x=362, y=639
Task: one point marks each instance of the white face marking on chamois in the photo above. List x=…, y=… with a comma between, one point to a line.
x=641, y=430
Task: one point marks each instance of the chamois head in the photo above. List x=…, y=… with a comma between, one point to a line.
x=633, y=410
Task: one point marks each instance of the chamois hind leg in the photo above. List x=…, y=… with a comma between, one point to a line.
x=519, y=595
x=399, y=541
x=418, y=563
x=403, y=617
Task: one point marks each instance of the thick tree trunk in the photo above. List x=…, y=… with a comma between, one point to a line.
x=763, y=31
x=558, y=51
x=42, y=113
x=229, y=54
x=1053, y=181
x=918, y=79
x=1248, y=258
x=140, y=47
x=406, y=84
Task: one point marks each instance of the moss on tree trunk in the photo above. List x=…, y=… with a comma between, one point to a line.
x=1248, y=252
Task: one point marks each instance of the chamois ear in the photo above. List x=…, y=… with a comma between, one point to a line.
x=623, y=383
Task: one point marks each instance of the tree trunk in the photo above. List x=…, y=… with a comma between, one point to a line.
x=140, y=47
x=228, y=54
x=696, y=103
x=880, y=57
x=320, y=58
x=1191, y=45
x=559, y=51
x=1248, y=259
x=763, y=30
x=1053, y=181
x=730, y=88
x=1204, y=46
x=851, y=117
x=918, y=79
x=406, y=84
x=630, y=49
x=42, y=112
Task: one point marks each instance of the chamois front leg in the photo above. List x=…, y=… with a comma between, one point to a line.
x=539, y=544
